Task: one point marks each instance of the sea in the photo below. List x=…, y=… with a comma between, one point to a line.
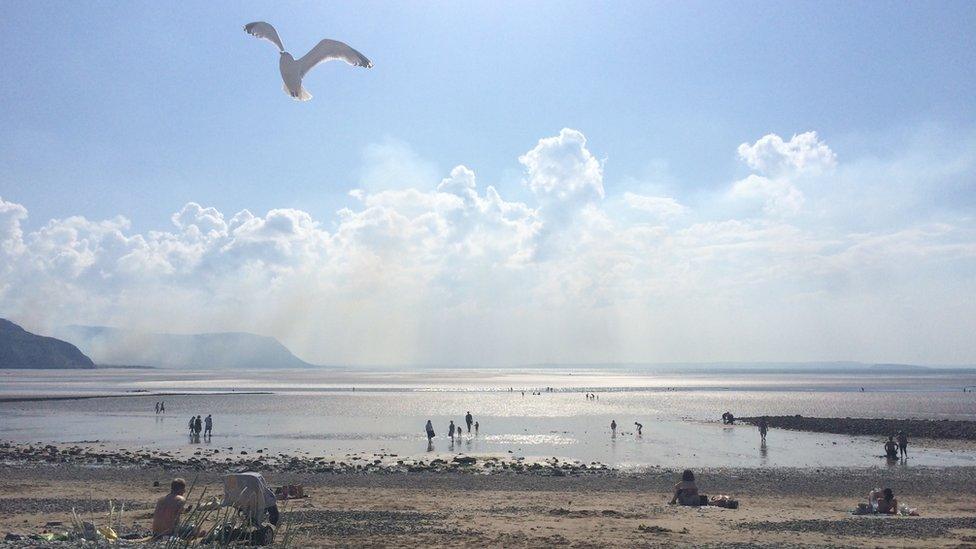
x=535, y=413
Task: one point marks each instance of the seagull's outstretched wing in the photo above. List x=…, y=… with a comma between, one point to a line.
x=264, y=31
x=327, y=50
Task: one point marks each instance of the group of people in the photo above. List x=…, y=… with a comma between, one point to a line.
x=197, y=425
x=592, y=396
x=160, y=407
x=897, y=446
x=613, y=427
x=452, y=430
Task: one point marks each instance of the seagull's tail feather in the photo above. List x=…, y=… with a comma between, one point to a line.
x=302, y=95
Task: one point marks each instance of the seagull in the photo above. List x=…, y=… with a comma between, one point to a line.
x=293, y=71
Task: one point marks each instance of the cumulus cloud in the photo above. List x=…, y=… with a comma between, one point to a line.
x=804, y=153
x=447, y=270
x=561, y=168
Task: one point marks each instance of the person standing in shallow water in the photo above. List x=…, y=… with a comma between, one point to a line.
x=430, y=432
x=902, y=444
x=763, y=428
x=613, y=427
x=469, y=419
x=450, y=430
x=891, y=449
x=208, y=426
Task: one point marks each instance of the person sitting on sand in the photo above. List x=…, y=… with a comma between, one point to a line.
x=886, y=504
x=891, y=450
x=686, y=493
x=168, y=509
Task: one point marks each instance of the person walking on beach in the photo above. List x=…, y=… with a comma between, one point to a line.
x=763, y=428
x=476, y=428
x=450, y=430
x=469, y=419
x=198, y=425
x=162, y=407
x=430, y=431
x=902, y=444
x=640, y=428
x=613, y=427
x=208, y=426
x=193, y=423
x=157, y=407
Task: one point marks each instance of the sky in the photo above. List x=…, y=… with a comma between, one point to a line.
x=512, y=183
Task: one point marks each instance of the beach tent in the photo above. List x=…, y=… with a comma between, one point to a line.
x=248, y=493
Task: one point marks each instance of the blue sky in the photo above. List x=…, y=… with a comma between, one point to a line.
x=140, y=109
x=137, y=107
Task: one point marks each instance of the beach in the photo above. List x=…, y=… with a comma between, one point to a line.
x=543, y=469
x=794, y=507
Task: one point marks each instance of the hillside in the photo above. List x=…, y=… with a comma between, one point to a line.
x=236, y=350
x=22, y=349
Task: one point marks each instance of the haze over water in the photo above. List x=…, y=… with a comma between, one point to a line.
x=336, y=412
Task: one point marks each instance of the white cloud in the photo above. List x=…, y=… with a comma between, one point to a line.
x=804, y=153
x=563, y=169
x=456, y=273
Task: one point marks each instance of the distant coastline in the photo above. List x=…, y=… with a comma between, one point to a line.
x=125, y=395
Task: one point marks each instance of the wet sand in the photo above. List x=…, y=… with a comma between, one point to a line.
x=441, y=505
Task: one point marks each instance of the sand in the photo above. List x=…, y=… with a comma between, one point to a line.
x=461, y=508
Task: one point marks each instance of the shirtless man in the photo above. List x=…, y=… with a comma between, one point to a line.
x=168, y=509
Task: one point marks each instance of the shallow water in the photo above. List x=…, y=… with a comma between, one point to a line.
x=320, y=413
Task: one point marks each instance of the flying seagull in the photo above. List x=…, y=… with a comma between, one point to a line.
x=293, y=71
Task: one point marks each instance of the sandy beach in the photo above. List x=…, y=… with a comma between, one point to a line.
x=460, y=504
